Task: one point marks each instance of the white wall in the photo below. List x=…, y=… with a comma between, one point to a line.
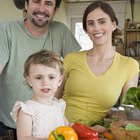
x=61, y=13
x=136, y=11
x=8, y=11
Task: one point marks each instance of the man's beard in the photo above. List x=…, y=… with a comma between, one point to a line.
x=40, y=23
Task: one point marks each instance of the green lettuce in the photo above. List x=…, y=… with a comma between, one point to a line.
x=132, y=126
x=132, y=97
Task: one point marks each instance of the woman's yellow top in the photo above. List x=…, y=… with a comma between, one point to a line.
x=89, y=97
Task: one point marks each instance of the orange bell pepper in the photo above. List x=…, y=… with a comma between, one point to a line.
x=63, y=133
x=108, y=135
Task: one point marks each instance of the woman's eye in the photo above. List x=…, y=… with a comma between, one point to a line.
x=90, y=23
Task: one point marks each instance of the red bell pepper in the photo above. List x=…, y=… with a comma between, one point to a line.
x=84, y=132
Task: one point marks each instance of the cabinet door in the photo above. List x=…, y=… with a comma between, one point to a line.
x=132, y=39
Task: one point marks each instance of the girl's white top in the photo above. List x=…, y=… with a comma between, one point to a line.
x=44, y=118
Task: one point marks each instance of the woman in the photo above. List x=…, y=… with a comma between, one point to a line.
x=96, y=78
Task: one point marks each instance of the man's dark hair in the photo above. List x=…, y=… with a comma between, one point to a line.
x=20, y=3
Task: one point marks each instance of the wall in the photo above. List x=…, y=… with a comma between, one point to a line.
x=136, y=11
x=61, y=13
x=8, y=11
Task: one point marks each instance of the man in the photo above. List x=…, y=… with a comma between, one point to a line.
x=18, y=40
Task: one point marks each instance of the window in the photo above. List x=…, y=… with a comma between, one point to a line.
x=82, y=37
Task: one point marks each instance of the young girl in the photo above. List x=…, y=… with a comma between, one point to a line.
x=38, y=116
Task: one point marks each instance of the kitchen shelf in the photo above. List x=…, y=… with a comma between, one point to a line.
x=132, y=39
x=132, y=30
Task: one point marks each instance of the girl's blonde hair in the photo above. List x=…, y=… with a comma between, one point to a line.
x=44, y=57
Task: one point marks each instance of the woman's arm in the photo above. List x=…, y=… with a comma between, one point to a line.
x=132, y=83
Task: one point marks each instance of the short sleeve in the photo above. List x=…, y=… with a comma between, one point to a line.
x=133, y=68
x=67, y=62
x=16, y=108
x=62, y=105
x=4, y=45
x=71, y=43
x=65, y=38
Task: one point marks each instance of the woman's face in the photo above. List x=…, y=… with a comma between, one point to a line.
x=100, y=27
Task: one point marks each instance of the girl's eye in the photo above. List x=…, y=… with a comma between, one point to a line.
x=38, y=78
x=52, y=77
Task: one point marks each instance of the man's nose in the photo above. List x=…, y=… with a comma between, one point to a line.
x=42, y=7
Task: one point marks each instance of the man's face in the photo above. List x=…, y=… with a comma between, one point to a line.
x=40, y=12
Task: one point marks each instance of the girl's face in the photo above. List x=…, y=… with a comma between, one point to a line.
x=100, y=27
x=44, y=80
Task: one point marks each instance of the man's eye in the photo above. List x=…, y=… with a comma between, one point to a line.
x=36, y=1
x=102, y=22
x=48, y=3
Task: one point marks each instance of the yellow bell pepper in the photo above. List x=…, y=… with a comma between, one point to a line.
x=63, y=133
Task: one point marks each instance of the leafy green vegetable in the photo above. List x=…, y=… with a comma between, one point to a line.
x=104, y=123
x=132, y=97
x=132, y=126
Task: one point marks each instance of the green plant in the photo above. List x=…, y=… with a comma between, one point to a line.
x=132, y=97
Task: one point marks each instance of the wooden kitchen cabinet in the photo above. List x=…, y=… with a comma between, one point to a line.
x=132, y=39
